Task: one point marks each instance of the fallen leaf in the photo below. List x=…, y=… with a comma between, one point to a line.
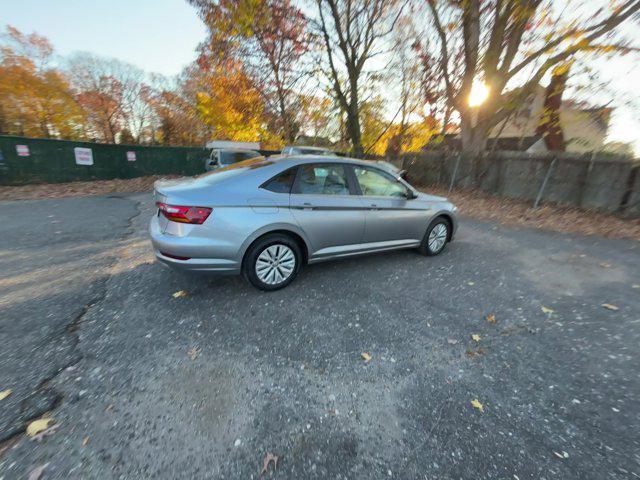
x=193, y=352
x=562, y=455
x=5, y=393
x=452, y=341
x=180, y=293
x=38, y=426
x=85, y=441
x=609, y=306
x=365, y=356
x=475, y=403
x=635, y=285
x=37, y=472
x=546, y=309
x=474, y=353
x=471, y=284
x=605, y=265
x=491, y=318
x=268, y=458
x=109, y=408
x=49, y=431
x=475, y=337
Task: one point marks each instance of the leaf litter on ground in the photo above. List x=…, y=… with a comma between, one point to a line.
x=475, y=403
x=610, y=306
x=268, y=459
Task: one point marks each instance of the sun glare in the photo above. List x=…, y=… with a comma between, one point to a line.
x=479, y=93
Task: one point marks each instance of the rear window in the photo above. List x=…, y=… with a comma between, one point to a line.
x=227, y=158
x=313, y=151
x=282, y=182
x=238, y=168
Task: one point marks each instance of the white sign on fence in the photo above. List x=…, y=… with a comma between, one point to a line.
x=131, y=156
x=22, y=150
x=84, y=156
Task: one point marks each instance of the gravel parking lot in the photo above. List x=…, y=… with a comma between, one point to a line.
x=142, y=383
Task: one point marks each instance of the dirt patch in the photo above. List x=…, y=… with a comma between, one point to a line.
x=483, y=206
x=80, y=189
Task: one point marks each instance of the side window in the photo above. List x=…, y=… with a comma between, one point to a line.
x=282, y=182
x=322, y=179
x=224, y=158
x=376, y=183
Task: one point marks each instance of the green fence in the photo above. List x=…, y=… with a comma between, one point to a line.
x=36, y=160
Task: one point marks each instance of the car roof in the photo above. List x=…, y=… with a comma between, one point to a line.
x=309, y=147
x=241, y=150
x=301, y=159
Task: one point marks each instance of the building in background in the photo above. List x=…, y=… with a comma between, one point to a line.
x=583, y=127
x=544, y=122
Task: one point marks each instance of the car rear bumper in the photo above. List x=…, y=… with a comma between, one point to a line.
x=167, y=246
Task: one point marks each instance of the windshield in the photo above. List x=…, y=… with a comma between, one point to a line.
x=229, y=156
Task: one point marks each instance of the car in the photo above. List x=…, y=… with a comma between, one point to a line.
x=223, y=157
x=391, y=168
x=305, y=150
x=266, y=218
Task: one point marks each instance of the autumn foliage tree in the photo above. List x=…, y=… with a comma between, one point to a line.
x=511, y=45
x=264, y=41
x=229, y=103
x=112, y=93
x=353, y=32
x=35, y=99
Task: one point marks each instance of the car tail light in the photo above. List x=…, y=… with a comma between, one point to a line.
x=184, y=214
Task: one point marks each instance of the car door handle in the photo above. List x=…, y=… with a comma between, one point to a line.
x=305, y=206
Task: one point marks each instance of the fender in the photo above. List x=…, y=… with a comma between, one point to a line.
x=280, y=226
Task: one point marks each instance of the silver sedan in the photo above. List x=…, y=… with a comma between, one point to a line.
x=266, y=218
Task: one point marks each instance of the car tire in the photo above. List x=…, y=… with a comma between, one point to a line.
x=436, y=237
x=272, y=262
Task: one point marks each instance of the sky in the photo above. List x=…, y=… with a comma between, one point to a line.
x=161, y=36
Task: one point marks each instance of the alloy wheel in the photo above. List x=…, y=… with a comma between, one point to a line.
x=275, y=264
x=437, y=237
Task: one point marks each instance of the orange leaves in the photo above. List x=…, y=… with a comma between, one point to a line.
x=230, y=103
x=36, y=100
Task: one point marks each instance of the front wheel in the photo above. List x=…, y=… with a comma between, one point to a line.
x=272, y=262
x=436, y=237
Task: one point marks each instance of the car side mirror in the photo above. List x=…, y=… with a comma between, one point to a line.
x=410, y=195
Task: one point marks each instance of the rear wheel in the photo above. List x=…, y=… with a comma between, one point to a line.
x=272, y=262
x=436, y=237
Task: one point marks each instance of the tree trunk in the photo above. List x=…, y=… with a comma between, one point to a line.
x=353, y=130
x=353, y=118
x=474, y=134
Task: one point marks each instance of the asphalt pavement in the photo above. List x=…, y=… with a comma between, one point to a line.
x=144, y=384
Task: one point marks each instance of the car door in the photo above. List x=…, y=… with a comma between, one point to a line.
x=392, y=215
x=325, y=204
